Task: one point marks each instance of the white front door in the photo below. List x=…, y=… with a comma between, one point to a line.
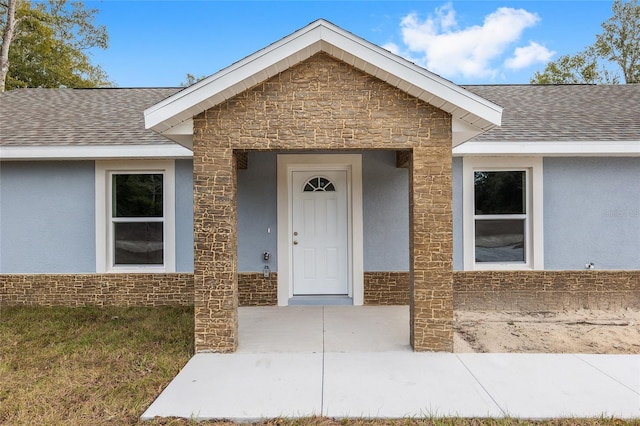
x=320, y=243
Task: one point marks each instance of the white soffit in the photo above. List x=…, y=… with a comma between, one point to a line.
x=93, y=152
x=473, y=114
x=550, y=148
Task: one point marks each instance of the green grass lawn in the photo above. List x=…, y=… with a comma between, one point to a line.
x=94, y=366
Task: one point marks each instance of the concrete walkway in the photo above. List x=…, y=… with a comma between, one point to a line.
x=356, y=362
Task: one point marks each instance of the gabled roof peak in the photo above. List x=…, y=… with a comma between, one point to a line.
x=472, y=114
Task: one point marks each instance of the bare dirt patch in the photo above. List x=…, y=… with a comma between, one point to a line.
x=581, y=331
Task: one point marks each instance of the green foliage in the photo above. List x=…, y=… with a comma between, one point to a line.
x=581, y=68
x=191, y=80
x=51, y=46
x=617, y=46
x=620, y=40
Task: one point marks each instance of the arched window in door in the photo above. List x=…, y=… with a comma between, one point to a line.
x=319, y=184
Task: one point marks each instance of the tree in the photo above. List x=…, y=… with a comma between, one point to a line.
x=582, y=68
x=191, y=80
x=8, y=33
x=50, y=44
x=618, y=45
x=620, y=41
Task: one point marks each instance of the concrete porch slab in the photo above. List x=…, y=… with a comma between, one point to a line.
x=402, y=384
x=366, y=328
x=351, y=362
x=553, y=385
x=621, y=368
x=290, y=329
x=243, y=387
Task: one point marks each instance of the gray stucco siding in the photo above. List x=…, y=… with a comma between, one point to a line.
x=47, y=214
x=458, y=240
x=47, y=217
x=592, y=213
x=257, y=213
x=385, y=212
x=184, y=215
x=385, y=199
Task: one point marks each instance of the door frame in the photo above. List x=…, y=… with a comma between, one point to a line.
x=352, y=163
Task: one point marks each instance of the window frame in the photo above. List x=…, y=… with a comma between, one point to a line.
x=104, y=220
x=534, y=239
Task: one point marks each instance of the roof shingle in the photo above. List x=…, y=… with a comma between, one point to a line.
x=549, y=113
x=532, y=113
x=56, y=117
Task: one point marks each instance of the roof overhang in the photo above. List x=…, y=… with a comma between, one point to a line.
x=471, y=114
x=549, y=149
x=93, y=152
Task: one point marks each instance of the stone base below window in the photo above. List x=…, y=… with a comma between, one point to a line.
x=96, y=289
x=545, y=290
x=472, y=290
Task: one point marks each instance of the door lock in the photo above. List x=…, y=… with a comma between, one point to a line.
x=295, y=234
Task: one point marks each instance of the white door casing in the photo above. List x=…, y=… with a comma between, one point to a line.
x=299, y=168
x=320, y=256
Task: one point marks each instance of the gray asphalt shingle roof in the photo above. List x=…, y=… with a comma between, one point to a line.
x=539, y=113
x=57, y=117
x=115, y=116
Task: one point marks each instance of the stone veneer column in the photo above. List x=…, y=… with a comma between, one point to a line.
x=431, y=248
x=215, y=250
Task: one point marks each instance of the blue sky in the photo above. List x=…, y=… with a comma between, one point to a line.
x=156, y=43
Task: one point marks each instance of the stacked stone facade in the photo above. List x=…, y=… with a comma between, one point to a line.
x=256, y=290
x=326, y=105
x=386, y=288
x=96, y=290
x=546, y=290
x=472, y=290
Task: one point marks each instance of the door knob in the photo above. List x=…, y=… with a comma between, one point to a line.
x=295, y=243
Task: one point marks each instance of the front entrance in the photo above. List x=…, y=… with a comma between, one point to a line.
x=320, y=229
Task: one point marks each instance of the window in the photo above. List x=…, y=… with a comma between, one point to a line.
x=319, y=184
x=500, y=217
x=502, y=213
x=135, y=216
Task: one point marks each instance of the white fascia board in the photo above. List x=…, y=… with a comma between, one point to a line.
x=92, y=152
x=321, y=35
x=551, y=149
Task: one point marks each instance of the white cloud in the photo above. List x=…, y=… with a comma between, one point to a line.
x=439, y=44
x=392, y=47
x=528, y=55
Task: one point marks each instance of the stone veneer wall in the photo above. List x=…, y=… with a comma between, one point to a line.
x=519, y=290
x=473, y=290
x=386, y=288
x=96, y=289
x=256, y=290
x=322, y=104
x=545, y=290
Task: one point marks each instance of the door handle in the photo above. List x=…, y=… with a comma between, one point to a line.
x=295, y=243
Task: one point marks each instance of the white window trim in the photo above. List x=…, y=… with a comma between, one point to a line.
x=534, y=234
x=104, y=237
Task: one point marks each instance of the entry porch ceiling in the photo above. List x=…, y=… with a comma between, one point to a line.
x=472, y=115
